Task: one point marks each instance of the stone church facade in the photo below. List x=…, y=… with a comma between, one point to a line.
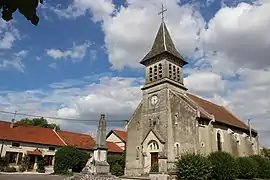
x=170, y=121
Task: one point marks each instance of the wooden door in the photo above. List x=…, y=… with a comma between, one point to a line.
x=154, y=158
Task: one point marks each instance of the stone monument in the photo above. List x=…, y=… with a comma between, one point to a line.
x=97, y=166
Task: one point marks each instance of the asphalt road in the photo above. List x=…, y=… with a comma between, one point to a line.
x=29, y=177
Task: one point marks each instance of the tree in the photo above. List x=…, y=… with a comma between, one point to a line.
x=265, y=152
x=25, y=7
x=41, y=122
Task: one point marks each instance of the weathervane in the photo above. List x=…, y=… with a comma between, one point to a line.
x=162, y=12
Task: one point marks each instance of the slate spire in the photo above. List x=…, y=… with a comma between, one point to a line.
x=163, y=44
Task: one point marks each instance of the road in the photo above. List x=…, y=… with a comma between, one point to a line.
x=29, y=177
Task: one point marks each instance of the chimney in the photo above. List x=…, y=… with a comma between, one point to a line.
x=12, y=123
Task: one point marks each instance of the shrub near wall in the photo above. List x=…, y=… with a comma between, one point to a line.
x=116, y=164
x=246, y=168
x=193, y=167
x=223, y=166
x=263, y=170
x=69, y=158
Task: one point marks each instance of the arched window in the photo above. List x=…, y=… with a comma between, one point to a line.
x=219, y=144
x=137, y=152
x=177, y=149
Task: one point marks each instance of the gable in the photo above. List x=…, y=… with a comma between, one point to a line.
x=153, y=135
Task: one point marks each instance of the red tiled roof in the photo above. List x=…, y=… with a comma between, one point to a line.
x=221, y=113
x=30, y=134
x=81, y=141
x=112, y=147
x=121, y=134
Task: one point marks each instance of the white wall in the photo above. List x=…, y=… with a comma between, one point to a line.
x=24, y=147
x=116, y=140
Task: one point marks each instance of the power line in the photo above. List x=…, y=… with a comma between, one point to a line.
x=57, y=118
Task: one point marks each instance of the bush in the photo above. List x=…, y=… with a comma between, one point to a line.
x=10, y=169
x=69, y=158
x=246, y=168
x=223, y=166
x=263, y=170
x=116, y=163
x=154, y=167
x=41, y=163
x=23, y=166
x=191, y=166
x=3, y=162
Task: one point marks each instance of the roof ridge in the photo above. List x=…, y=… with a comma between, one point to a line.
x=59, y=137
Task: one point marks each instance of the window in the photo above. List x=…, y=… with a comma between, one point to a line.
x=219, y=144
x=177, y=146
x=51, y=148
x=137, y=152
x=49, y=160
x=15, y=144
x=11, y=157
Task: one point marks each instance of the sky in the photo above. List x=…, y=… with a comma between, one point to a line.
x=83, y=58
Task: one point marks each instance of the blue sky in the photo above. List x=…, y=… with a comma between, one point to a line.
x=84, y=56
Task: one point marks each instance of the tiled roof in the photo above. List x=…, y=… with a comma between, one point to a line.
x=112, y=147
x=46, y=136
x=30, y=134
x=121, y=134
x=81, y=141
x=220, y=113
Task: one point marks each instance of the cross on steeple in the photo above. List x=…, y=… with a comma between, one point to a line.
x=162, y=12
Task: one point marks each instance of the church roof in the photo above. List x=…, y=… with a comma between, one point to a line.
x=220, y=113
x=163, y=43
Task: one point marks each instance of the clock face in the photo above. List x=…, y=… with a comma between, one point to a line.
x=154, y=100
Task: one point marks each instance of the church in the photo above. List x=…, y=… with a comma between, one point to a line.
x=170, y=121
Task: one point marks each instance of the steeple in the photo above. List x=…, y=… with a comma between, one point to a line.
x=163, y=44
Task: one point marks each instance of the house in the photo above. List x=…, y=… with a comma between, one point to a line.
x=118, y=137
x=18, y=140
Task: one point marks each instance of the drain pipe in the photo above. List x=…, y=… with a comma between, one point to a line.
x=2, y=146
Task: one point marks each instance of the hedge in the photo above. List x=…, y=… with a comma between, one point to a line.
x=69, y=158
x=223, y=166
x=246, y=168
x=263, y=170
x=193, y=167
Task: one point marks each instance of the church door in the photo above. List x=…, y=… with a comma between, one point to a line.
x=154, y=158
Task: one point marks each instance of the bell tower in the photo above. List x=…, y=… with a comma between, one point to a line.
x=163, y=63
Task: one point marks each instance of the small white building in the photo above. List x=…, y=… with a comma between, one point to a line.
x=118, y=137
x=18, y=140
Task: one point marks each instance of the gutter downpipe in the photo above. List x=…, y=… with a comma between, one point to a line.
x=2, y=146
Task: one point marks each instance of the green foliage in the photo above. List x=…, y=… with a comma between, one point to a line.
x=41, y=163
x=246, y=168
x=223, y=166
x=263, y=170
x=117, y=164
x=23, y=166
x=265, y=152
x=41, y=122
x=26, y=8
x=69, y=158
x=154, y=167
x=192, y=166
x=10, y=169
x=3, y=162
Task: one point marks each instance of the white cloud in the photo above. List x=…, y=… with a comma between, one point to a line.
x=241, y=33
x=205, y=83
x=15, y=61
x=53, y=65
x=76, y=52
x=8, y=34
